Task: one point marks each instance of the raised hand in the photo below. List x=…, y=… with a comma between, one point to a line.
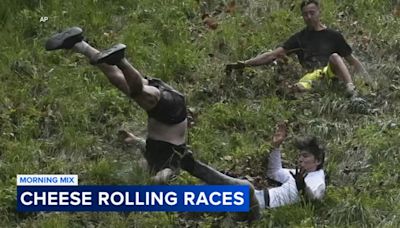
x=299, y=176
x=280, y=134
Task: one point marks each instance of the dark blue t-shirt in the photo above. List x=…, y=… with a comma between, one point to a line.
x=313, y=48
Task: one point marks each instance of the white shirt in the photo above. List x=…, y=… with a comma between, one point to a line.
x=287, y=193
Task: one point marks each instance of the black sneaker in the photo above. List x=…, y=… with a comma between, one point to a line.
x=111, y=56
x=65, y=39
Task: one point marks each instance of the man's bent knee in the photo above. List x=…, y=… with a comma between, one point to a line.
x=334, y=58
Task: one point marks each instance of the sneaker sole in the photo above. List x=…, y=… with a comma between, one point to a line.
x=64, y=40
x=112, y=55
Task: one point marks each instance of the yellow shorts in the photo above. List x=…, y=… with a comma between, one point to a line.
x=307, y=80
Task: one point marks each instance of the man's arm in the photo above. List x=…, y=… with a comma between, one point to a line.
x=356, y=64
x=265, y=58
x=275, y=170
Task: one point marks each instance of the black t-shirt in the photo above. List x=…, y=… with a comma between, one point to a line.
x=313, y=48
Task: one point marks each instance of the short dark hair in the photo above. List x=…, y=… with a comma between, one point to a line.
x=312, y=145
x=307, y=2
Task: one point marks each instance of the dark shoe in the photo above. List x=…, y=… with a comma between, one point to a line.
x=111, y=56
x=360, y=105
x=65, y=39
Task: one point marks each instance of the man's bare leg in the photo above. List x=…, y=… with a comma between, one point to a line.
x=114, y=75
x=116, y=56
x=72, y=39
x=145, y=96
x=340, y=69
x=111, y=62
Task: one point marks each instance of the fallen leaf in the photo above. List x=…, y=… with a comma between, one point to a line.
x=230, y=7
x=396, y=10
x=210, y=22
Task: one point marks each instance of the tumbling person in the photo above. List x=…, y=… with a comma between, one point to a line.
x=319, y=50
x=165, y=107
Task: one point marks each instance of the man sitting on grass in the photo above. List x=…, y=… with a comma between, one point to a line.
x=319, y=50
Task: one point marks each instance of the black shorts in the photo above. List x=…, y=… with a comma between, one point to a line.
x=161, y=155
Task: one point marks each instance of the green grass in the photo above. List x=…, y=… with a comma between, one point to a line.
x=58, y=114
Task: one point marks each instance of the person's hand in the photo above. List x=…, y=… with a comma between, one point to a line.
x=280, y=134
x=238, y=65
x=299, y=176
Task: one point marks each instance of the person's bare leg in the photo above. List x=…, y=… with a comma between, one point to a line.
x=340, y=69
x=72, y=38
x=116, y=56
x=114, y=75
x=132, y=76
x=145, y=96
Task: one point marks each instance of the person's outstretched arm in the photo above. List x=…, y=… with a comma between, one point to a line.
x=263, y=59
x=266, y=57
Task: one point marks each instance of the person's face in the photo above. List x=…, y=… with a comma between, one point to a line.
x=310, y=15
x=307, y=161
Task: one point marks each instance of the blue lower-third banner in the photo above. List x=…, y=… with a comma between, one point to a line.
x=204, y=198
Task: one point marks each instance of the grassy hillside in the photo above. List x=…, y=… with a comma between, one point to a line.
x=59, y=114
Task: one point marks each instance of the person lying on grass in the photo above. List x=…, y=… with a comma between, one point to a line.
x=307, y=179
